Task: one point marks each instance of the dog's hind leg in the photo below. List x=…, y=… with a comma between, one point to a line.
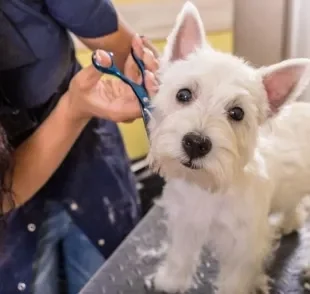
x=293, y=209
x=294, y=219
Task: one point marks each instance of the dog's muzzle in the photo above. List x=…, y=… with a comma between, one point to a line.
x=195, y=147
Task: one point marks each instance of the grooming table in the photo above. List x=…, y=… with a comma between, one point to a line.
x=137, y=256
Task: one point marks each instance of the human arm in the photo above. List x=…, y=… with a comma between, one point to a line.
x=118, y=42
x=98, y=25
x=37, y=158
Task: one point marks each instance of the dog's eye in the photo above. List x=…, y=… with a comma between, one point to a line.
x=184, y=95
x=236, y=113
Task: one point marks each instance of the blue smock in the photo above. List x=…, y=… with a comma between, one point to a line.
x=37, y=61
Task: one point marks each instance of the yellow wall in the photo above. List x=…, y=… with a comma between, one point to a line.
x=134, y=134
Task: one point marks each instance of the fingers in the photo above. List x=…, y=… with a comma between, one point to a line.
x=150, y=55
x=146, y=55
x=131, y=69
x=150, y=62
x=132, y=109
x=103, y=58
x=148, y=44
x=151, y=83
x=89, y=76
x=137, y=46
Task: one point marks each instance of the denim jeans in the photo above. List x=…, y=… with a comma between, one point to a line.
x=59, y=236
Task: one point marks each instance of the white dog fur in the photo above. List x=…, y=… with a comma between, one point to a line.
x=257, y=166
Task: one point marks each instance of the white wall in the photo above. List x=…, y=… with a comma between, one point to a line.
x=155, y=18
x=298, y=43
x=268, y=31
x=259, y=30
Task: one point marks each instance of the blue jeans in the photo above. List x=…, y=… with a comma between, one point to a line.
x=59, y=236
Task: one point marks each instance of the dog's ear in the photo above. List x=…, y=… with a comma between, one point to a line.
x=187, y=35
x=285, y=81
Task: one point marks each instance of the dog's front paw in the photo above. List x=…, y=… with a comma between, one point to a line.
x=166, y=281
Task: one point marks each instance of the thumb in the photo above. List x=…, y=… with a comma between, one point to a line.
x=90, y=75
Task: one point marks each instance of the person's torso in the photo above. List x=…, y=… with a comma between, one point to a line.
x=94, y=182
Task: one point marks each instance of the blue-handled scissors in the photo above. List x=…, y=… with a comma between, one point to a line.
x=139, y=89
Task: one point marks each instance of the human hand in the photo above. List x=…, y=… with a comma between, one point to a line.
x=148, y=44
x=91, y=96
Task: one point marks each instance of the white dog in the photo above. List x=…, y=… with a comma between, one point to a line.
x=229, y=155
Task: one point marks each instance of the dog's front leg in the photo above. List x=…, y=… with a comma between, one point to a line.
x=243, y=279
x=175, y=274
x=242, y=269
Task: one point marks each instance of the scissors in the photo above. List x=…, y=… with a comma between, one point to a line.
x=138, y=89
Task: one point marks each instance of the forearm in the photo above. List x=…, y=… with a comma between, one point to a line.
x=40, y=155
x=119, y=42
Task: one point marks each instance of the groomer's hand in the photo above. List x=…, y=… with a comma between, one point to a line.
x=149, y=45
x=91, y=96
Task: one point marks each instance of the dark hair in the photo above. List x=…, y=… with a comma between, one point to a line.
x=6, y=163
x=6, y=172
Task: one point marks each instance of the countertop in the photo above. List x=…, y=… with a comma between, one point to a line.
x=137, y=256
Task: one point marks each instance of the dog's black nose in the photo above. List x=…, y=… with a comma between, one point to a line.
x=196, y=146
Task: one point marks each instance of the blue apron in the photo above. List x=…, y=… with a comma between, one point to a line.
x=37, y=61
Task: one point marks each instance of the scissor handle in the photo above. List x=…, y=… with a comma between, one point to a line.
x=111, y=70
x=140, y=65
x=139, y=89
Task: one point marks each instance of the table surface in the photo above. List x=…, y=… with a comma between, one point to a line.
x=137, y=256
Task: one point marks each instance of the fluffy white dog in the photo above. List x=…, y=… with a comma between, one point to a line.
x=230, y=156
